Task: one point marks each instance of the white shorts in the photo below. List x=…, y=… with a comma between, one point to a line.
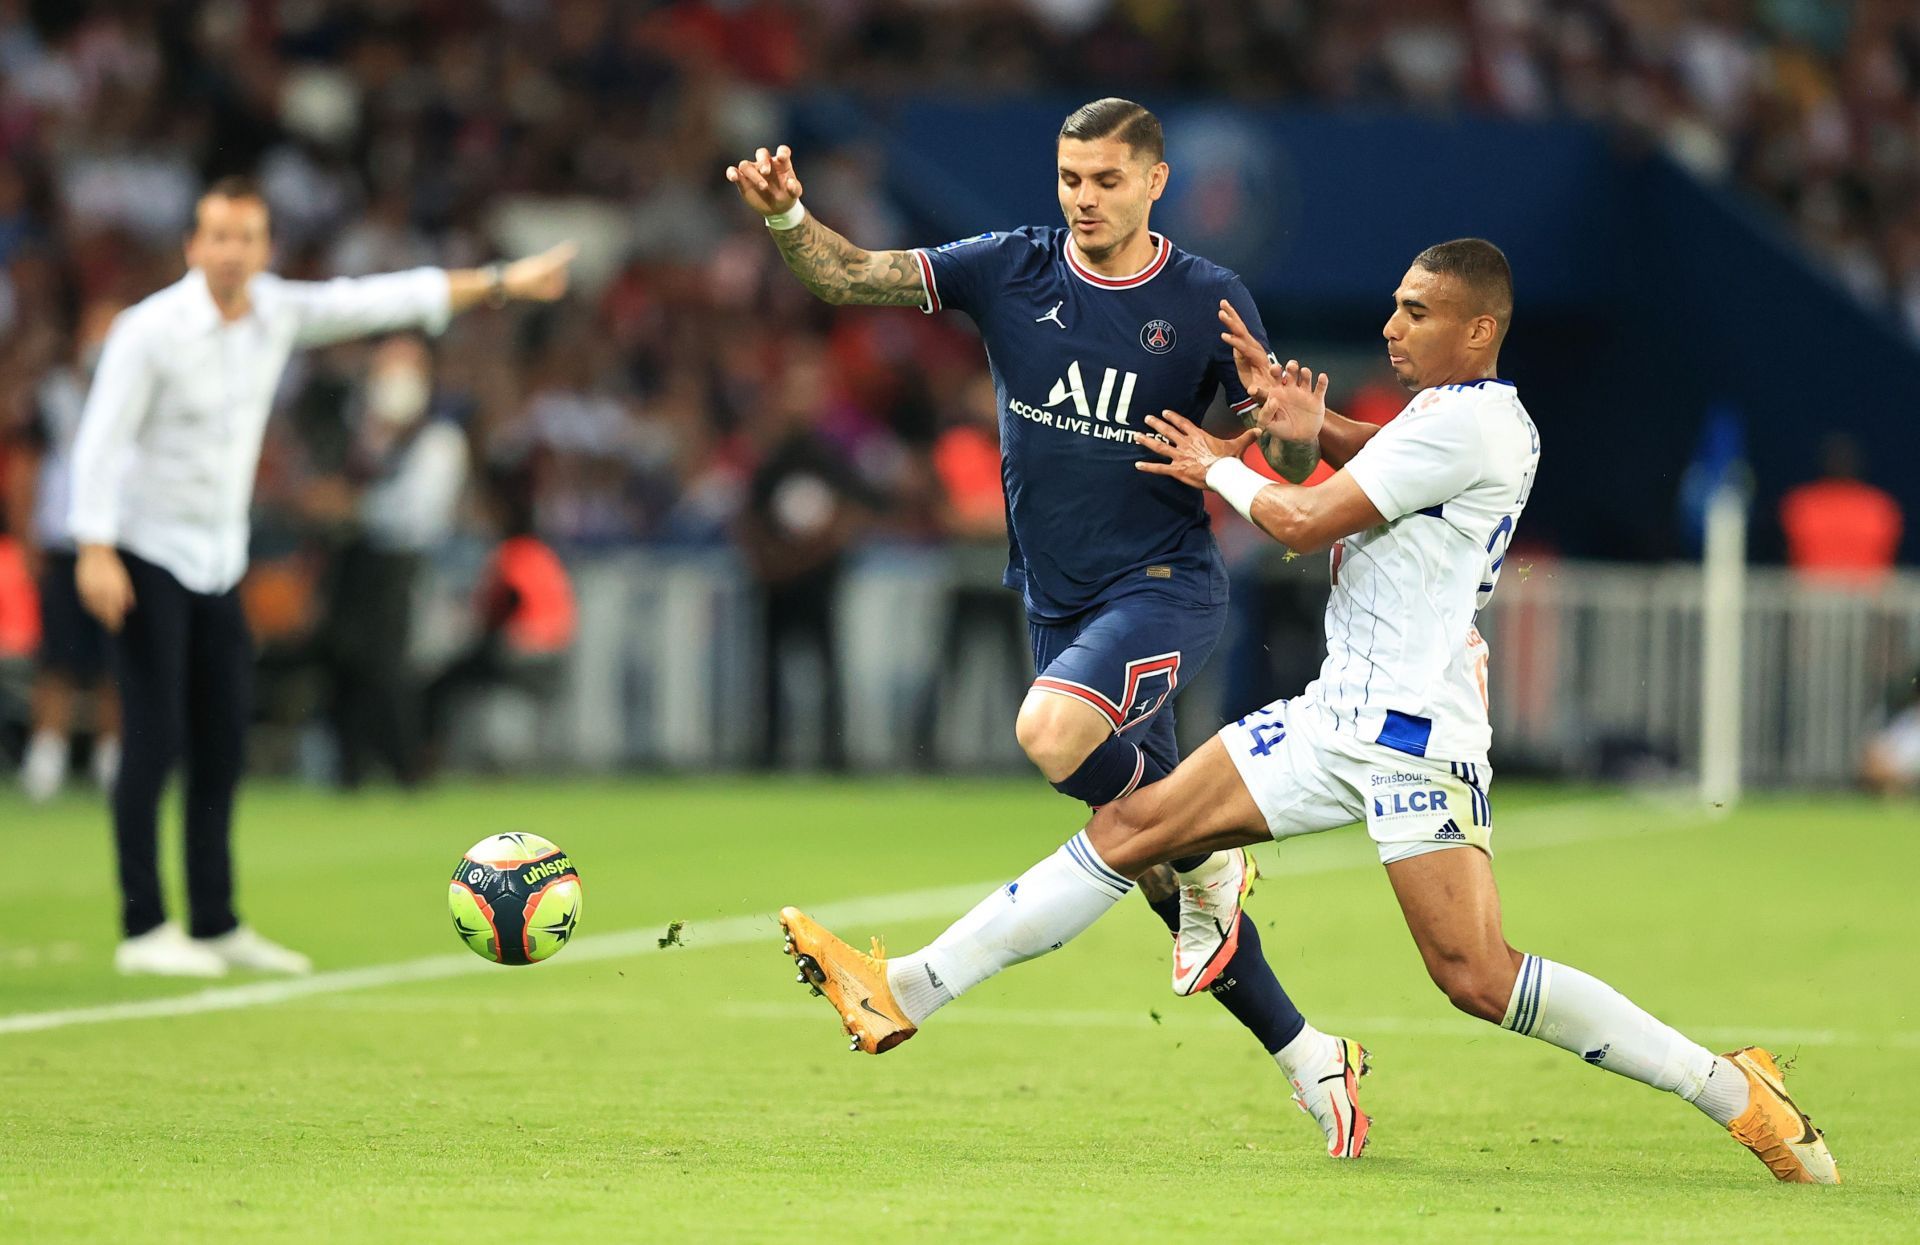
x=1307, y=776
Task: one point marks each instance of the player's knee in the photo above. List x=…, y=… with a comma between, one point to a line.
x=1473, y=983
x=1047, y=733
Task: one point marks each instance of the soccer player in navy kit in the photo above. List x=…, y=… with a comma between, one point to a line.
x=1089, y=329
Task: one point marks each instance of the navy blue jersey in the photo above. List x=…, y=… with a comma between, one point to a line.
x=1079, y=361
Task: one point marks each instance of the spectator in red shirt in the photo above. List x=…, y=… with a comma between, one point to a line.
x=527, y=619
x=1839, y=528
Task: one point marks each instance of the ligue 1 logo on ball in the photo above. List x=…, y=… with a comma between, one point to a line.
x=1157, y=336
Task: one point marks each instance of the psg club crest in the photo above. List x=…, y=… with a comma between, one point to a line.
x=1157, y=336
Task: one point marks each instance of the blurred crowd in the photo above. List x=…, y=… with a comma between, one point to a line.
x=390, y=133
x=692, y=393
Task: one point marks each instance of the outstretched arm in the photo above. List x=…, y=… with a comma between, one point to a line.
x=424, y=298
x=1288, y=447
x=1291, y=448
x=1304, y=519
x=835, y=269
x=538, y=278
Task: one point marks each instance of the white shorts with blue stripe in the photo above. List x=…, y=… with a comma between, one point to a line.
x=1306, y=775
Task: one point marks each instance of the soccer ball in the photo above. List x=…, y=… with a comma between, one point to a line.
x=515, y=898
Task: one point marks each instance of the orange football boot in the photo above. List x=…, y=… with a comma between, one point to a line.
x=854, y=983
x=1777, y=1130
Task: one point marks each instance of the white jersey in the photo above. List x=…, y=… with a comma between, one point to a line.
x=1406, y=666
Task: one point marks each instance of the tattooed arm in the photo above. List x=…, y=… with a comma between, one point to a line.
x=1288, y=431
x=835, y=269
x=1294, y=460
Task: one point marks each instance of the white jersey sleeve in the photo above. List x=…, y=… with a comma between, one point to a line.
x=1416, y=463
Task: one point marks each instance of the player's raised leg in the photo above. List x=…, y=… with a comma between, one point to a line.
x=1099, y=723
x=1040, y=911
x=1203, y=806
x=1453, y=910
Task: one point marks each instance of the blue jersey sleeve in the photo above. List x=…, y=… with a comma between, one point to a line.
x=962, y=274
x=1223, y=367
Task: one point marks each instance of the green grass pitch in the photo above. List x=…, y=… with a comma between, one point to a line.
x=630, y=1092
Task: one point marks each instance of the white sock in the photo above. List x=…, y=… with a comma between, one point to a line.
x=44, y=768
x=1585, y=1015
x=1726, y=1094
x=106, y=761
x=1308, y=1052
x=1046, y=907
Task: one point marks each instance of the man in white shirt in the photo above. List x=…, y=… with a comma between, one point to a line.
x=163, y=474
x=1394, y=731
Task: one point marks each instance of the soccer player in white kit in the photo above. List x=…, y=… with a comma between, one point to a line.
x=1394, y=732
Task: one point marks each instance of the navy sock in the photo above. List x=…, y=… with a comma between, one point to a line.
x=1189, y=862
x=1110, y=771
x=1248, y=988
x=1246, y=985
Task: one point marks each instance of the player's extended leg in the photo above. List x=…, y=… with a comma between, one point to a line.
x=1202, y=806
x=1453, y=910
x=1099, y=723
x=882, y=1002
x=1197, y=896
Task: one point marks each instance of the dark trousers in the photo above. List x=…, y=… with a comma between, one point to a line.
x=369, y=627
x=184, y=664
x=489, y=663
x=992, y=613
x=800, y=611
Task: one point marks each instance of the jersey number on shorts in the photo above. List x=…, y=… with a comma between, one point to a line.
x=1265, y=736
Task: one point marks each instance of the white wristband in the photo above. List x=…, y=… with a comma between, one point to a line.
x=788, y=219
x=1238, y=483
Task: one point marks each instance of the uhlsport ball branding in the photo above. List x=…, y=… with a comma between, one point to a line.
x=515, y=898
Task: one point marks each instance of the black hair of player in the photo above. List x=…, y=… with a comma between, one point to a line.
x=1480, y=266
x=1118, y=118
x=232, y=186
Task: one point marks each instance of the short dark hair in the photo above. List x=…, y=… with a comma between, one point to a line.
x=232, y=186
x=1118, y=118
x=1482, y=268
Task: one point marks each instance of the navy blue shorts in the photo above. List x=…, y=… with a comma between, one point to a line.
x=72, y=641
x=1128, y=658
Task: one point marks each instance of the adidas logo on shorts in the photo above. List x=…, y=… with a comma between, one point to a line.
x=1449, y=833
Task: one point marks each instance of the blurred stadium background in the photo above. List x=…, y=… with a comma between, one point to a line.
x=779, y=525
x=1713, y=209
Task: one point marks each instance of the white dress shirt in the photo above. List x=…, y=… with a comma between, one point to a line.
x=164, y=462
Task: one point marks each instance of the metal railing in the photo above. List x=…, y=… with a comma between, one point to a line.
x=1595, y=671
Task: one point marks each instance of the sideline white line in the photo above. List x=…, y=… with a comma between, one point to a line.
x=736, y=930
